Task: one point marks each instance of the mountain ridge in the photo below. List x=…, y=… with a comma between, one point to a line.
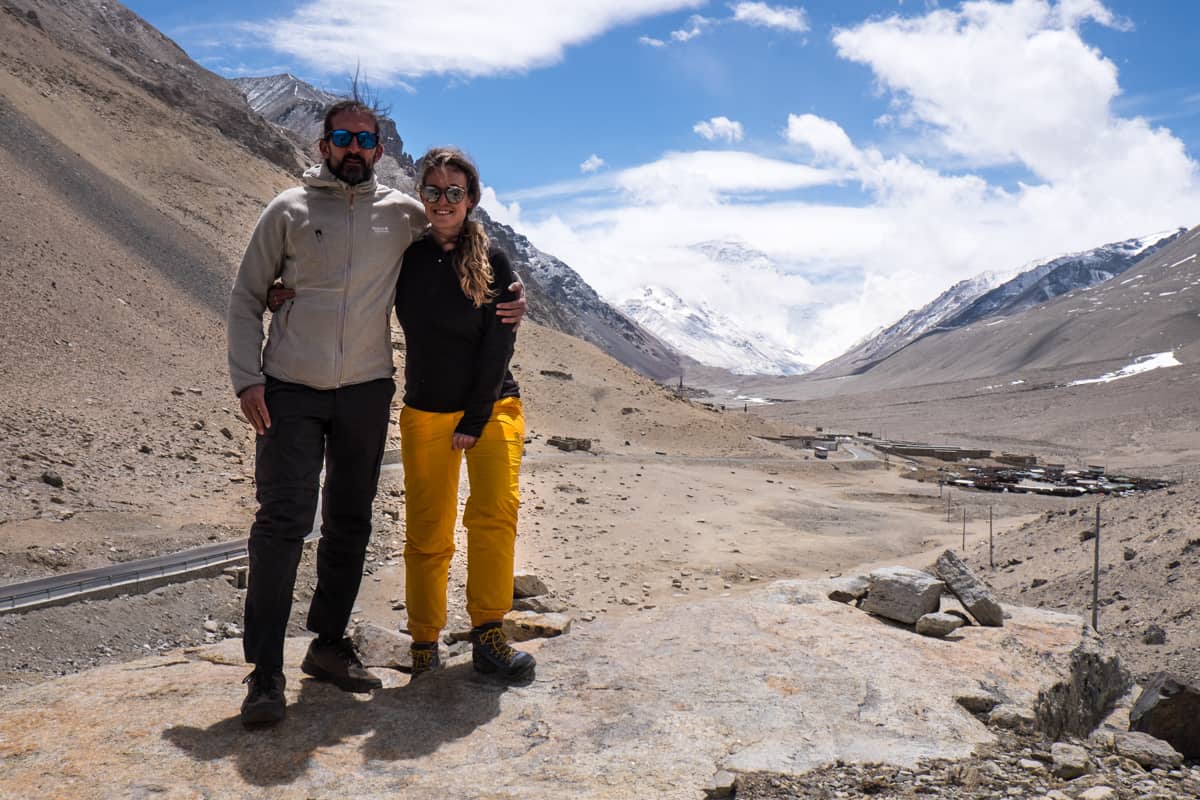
x=989, y=295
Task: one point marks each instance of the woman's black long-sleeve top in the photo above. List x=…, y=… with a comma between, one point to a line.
x=456, y=355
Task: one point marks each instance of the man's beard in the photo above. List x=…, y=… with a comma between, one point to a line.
x=352, y=169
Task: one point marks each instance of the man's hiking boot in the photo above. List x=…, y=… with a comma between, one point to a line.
x=337, y=663
x=490, y=652
x=264, y=701
x=425, y=657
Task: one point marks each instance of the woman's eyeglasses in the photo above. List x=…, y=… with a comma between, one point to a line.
x=454, y=194
x=367, y=140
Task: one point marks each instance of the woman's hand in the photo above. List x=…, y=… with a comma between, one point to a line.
x=461, y=441
x=512, y=311
x=279, y=294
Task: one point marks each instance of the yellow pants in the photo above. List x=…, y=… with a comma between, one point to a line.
x=431, y=471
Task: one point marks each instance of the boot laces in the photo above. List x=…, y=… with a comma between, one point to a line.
x=494, y=639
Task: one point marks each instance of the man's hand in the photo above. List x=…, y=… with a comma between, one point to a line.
x=254, y=407
x=277, y=295
x=512, y=311
x=461, y=441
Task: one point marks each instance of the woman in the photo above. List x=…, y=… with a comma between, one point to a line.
x=459, y=398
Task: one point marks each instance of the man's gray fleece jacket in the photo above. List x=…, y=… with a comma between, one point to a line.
x=340, y=247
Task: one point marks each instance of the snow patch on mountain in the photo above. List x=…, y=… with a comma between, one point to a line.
x=708, y=336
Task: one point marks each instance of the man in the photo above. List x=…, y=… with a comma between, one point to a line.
x=318, y=394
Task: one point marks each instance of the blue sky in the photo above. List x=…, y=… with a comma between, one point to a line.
x=873, y=151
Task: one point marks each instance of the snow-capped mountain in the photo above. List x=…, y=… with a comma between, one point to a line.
x=708, y=336
x=558, y=297
x=992, y=294
x=1059, y=276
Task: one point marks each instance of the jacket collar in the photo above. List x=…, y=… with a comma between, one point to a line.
x=319, y=176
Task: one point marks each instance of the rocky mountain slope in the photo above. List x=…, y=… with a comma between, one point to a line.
x=115, y=37
x=558, y=296
x=990, y=296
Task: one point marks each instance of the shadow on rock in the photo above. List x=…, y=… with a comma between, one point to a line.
x=434, y=709
x=402, y=723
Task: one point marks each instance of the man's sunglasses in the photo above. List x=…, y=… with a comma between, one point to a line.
x=367, y=140
x=454, y=194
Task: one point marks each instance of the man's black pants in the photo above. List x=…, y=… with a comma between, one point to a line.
x=347, y=429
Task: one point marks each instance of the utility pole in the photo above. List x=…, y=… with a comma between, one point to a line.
x=1096, y=577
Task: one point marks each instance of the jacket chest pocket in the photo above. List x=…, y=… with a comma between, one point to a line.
x=317, y=259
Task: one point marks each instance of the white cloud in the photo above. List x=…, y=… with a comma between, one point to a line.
x=696, y=26
x=826, y=139
x=650, y=41
x=591, y=164
x=784, y=18
x=509, y=214
x=720, y=128
x=906, y=223
x=485, y=38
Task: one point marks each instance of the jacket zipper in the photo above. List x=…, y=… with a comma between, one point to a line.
x=345, y=289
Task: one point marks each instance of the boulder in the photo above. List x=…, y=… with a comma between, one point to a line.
x=1147, y=750
x=970, y=591
x=903, y=594
x=938, y=625
x=1169, y=709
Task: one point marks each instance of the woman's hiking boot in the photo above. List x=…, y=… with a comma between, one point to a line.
x=490, y=652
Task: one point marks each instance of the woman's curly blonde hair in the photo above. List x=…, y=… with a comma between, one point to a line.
x=470, y=255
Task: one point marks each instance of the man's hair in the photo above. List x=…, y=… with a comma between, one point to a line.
x=362, y=100
x=352, y=106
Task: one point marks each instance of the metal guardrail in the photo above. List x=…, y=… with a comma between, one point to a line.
x=43, y=591
x=100, y=580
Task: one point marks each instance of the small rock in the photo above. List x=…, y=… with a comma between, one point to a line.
x=1154, y=635
x=378, y=646
x=849, y=588
x=1069, y=760
x=1130, y=554
x=526, y=584
x=721, y=785
x=1013, y=717
x=1099, y=793
x=228, y=434
x=521, y=626
x=938, y=625
x=569, y=443
x=978, y=703
x=542, y=605
x=52, y=478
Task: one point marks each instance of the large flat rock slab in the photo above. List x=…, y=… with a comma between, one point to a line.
x=645, y=706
